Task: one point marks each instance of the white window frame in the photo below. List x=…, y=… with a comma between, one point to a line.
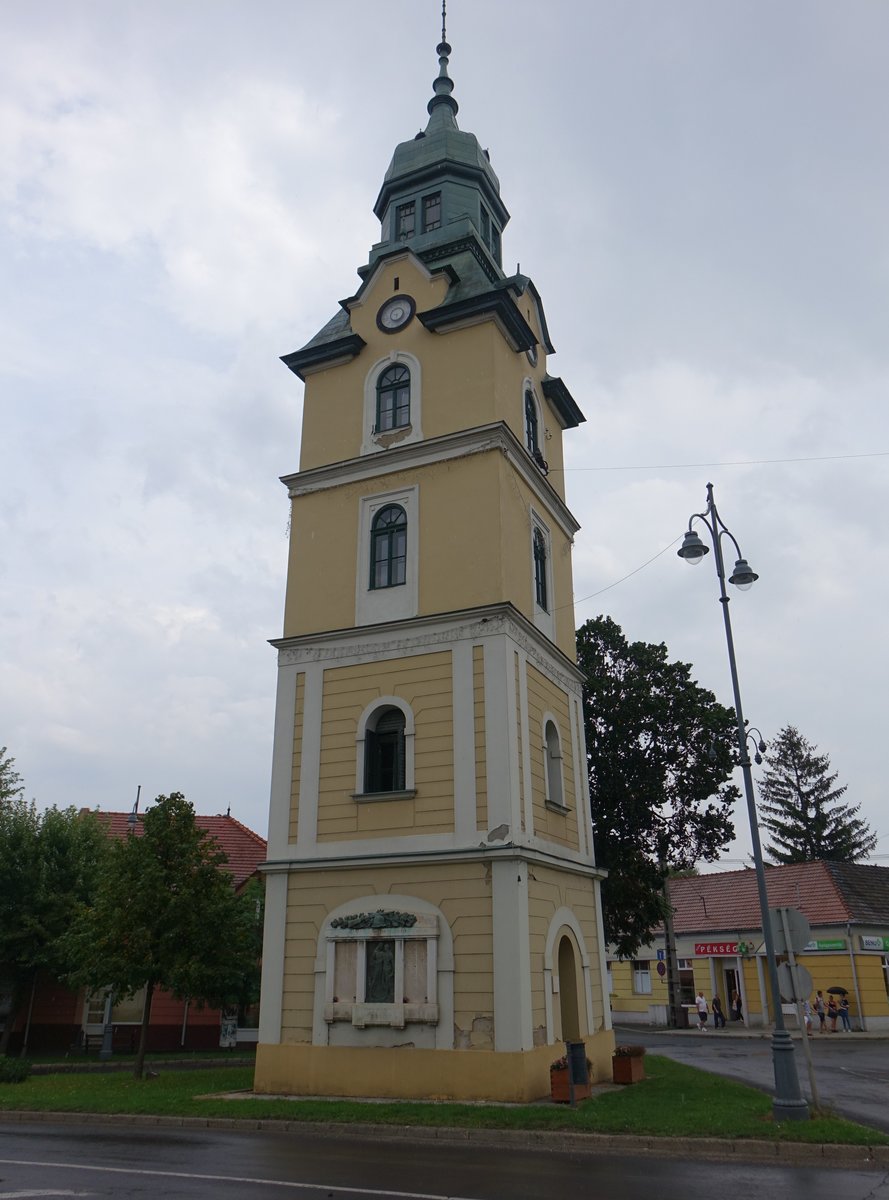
x=360, y=747
x=553, y=766
x=641, y=976
x=392, y=603
x=371, y=442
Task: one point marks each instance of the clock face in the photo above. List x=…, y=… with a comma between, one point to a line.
x=396, y=313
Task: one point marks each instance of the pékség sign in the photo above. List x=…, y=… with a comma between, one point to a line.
x=719, y=948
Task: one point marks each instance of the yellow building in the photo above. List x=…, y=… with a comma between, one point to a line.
x=433, y=921
x=720, y=951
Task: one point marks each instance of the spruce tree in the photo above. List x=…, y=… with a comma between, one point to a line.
x=800, y=806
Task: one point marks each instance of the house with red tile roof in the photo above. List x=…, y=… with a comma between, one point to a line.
x=720, y=948
x=61, y=1020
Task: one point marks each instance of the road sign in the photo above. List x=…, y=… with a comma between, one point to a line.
x=785, y=983
x=661, y=955
x=797, y=925
x=662, y=968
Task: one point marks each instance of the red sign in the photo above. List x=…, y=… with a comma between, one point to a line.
x=716, y=948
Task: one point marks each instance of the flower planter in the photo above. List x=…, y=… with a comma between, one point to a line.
x=560, y=1088
x=627, y=1068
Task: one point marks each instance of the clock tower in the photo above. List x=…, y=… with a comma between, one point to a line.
x=433, y=921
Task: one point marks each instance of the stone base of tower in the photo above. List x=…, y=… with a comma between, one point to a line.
x=407, y=1073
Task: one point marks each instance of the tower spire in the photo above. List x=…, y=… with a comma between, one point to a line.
x=443, y=85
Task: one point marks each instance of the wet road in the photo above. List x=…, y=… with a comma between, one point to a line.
x=851, y=1072
x=133, y=1163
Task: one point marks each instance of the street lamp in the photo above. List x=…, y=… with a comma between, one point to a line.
x=788, y=1104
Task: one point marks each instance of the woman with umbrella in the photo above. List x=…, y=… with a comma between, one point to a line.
x=839, y=999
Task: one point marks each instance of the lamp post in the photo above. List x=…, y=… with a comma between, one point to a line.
x=788, y=1104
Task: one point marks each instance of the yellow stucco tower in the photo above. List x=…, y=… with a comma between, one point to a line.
x=433, y=924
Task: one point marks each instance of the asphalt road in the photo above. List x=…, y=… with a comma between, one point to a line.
x=125, y=1162
x=851, y=1072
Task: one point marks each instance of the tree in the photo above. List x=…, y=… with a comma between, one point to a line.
x=49, y=863
x=10, y=781
x=165, y=915
x=660, y=751
x=800, y=806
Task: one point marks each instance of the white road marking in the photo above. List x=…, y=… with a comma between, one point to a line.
x=284, y=1183
x=38, y=1192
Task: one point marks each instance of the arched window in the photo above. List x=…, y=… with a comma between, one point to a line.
x=552, y=749
x=540, y=589
x=388, y=547
x=384, y=756
x=393, y=399
x=531, y=438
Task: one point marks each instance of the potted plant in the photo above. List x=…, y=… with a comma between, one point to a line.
x=559, y=1082
x=627, y=1065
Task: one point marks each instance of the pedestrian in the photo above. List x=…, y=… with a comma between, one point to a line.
x=737, y=1009
x=820, y=1011
x=718, y=1014
x=701, y=1005
x=844, y=1015
x=807, y=1016
x=832, y=1012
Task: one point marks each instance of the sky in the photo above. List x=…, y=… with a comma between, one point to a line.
x=699, y=191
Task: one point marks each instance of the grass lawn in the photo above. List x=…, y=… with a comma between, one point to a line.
x=673, y=1101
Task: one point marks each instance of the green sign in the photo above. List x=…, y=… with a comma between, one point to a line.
x=826, y=944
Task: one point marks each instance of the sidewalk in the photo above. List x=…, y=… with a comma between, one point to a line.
x=627, y=1032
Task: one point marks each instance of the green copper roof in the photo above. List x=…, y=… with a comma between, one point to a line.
x=440, y=149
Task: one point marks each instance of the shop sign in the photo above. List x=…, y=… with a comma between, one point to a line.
x=868, y=942
x=716, y=948
x=826, y=944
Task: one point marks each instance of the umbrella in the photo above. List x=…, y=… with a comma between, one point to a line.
x=838, y=991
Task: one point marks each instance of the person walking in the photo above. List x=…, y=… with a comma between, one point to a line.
x=701, y=1005
x=820, y=1011
x=844, y=1015
x=737, y=1010
x=718, y=1014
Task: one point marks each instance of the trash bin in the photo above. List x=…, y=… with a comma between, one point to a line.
x=577, y=1068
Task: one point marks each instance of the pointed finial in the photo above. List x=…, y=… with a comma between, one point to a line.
x=443, y=85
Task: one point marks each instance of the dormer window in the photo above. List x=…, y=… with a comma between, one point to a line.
x=432, y=212
x=406, y=220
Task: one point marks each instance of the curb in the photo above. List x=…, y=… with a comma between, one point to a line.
x=796, y=1154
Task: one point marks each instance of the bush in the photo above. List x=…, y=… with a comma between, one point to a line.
x=14, y=1070
x=629, y=1051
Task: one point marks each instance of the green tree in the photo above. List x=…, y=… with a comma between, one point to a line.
x=10, y=781
x=49, y=863
x=800, y=806
x=660, y=751
x=165, y=915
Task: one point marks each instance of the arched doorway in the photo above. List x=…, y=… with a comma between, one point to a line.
x=568, y=991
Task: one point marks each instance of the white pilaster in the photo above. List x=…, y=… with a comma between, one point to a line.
x=499, y=733
x=310, y=758
x=272, y=990
x=512, y=956
x=280, y=798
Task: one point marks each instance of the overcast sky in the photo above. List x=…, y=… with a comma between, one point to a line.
x=700, y=193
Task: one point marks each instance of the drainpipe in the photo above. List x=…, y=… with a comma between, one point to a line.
x=861, y=1017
